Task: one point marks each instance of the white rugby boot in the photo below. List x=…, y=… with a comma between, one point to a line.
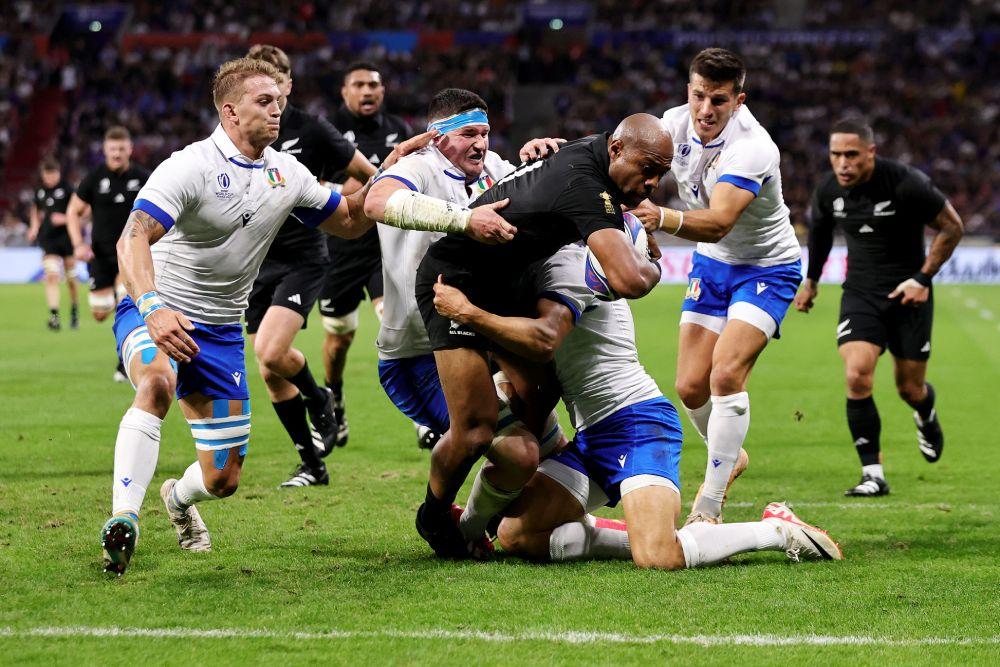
x=803, y=539
x=192, y=535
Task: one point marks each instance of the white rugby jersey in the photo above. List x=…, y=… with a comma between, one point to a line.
x=745, y=156
x=402, y=333
x=597, y=364
x=221, y=211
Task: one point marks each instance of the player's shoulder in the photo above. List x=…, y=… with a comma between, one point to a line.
x=897, y=172
x=676, y=120
x=748, y=134
x=496, y=166
x=827, y=186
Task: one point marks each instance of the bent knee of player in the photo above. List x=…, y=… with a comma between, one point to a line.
x=223, y=483
x=911, y=392
x=727, y=378
x=157, y=385
x=693, y=392
x=654, y=554
x=859, y=380
x=270, y=357
x=475, y=438
x=100, y=315
x=511, y=535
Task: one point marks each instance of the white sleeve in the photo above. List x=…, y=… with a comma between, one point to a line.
x=562, y=278
x=173, y=187
x=315, y=202
x=747, y=164
x=411, y=172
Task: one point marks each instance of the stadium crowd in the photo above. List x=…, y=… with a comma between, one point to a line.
x=930, y=93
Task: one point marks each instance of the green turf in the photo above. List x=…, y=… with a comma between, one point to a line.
x=921, y=564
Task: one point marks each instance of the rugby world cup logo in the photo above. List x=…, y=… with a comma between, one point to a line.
x=694, y=289
x=223, y=180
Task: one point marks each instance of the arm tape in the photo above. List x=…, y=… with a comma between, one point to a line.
x=407, y=209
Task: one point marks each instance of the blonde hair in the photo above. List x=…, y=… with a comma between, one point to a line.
x=273, y=55
x=228, y=83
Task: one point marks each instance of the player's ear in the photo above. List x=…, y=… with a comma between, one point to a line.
x=740, y=99
x=615, y=149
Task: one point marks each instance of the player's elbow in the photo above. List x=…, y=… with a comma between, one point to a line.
x=374, y=206
x=632, y=285
x=544, y=346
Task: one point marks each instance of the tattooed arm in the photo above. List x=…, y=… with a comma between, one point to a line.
x=168, y=328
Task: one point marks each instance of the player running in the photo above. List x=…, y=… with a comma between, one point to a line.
x=189, y=253
x=289, y=282
x=882, y=206
x=575, y=194
x=356, y=265
x=746, y=267
x=628, y=440
x=107, y=193
x=48, y=227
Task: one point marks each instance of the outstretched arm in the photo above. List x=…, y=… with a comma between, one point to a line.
x=707, y=225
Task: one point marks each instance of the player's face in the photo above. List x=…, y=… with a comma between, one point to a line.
x=258, y=112
x=466, y=148
x=712, y=105
x=50, y=178
x=117, y=153
x=285, y=86
x=852, y=159
x=363, y=92
x=636, y=171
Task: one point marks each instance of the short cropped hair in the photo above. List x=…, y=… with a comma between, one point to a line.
x=117, y=133
x=451, y=101
x=49, y=163
x=854, y=126
x=231, y=75
x=273, y=55
x=720, y=66
x=361, y=65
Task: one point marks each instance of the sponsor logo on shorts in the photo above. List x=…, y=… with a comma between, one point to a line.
x=455, y=329
x=237, y=376
x=761, y=286
x=926, y=347
x=296, y=298
x=621, y=460
x=842, y=329
x=694, y=289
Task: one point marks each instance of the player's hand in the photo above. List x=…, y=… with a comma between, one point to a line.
x=486, y=225
x=649, y=215
x=807, y=295
x=168, y=329
x=654, y=248
x=411, y=145
x=31, y=235
x=83, y=252
x=450, y=302
x=539, y=148
x=913, y=293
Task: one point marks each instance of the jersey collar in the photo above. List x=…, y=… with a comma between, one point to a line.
x=231, y=153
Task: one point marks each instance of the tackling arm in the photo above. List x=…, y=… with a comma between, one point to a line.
x=629, y=274
x=707, y=225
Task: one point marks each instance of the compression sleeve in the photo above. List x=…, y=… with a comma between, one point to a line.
x=407, y=209
x=820, y=238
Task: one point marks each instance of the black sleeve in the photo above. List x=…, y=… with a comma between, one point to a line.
x=821, y=225
x=921, y=200
x=337, y=152
x=586, y=202
x=85, y=191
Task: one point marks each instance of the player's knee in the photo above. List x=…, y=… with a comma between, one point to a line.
x=658, y=556
x=157, y=386
x=101, y=304
x=859, y=381
x=727, y=378
x=510, y=535
x=523, y=455
x=270, y=358
x=693, y=393
x=223, y=483
x=911, y=392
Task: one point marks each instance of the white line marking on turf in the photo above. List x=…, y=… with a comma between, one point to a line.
x=862, y=505
x=558, y=637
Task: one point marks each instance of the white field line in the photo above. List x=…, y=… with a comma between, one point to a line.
x=866, y=504
x=551, y=637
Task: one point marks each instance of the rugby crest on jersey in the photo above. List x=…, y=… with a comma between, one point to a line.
x=483, y=184
x=694, y=289
x=274, y=177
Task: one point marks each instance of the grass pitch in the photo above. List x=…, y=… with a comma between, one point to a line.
x=338, y=574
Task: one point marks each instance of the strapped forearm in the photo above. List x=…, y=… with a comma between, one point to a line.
x=407, y=209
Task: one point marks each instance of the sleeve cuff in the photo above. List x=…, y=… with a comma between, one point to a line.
x=399, y=178
x=155, y=212
x=741, y=182
x=314, y=217
x=564, y=300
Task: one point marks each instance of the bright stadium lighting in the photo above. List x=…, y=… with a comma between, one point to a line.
x=95, y=26
x=556, y=24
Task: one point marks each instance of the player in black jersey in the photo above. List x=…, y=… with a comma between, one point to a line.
x=356, y=264
x=577, y=194
x=48, y=226
x=882, y=206
x=107, y=193
x=289, y=282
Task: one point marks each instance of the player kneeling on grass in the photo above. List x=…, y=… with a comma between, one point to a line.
x=189, y=253
x=627, y=444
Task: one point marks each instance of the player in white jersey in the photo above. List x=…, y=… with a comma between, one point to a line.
x=456, y=169
x=189, y=253
x=627, y=444
x=745, y=270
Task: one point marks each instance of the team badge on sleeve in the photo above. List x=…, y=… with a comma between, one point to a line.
x=694, y=289
x=274, y=178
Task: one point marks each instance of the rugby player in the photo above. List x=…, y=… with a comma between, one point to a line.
x=576, y=194
x=189, y=254
x=627, y=445
x=746, y=267
x=356, y=265
x=48, y=227
x=289, y=282
x=107, y=194
x=882, y=206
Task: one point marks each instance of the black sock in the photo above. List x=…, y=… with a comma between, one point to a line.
x=434, y=504
x=306, y=384
x=54, y=311
x=925, y=406
x=337, y=387
x=292, y=414
x=866, y=427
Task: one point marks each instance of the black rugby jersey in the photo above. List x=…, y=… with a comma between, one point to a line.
x=375, y=136
x=324, y=151
x=555, y=201
x=111, y=195
x=883, y=222
x=52, y=200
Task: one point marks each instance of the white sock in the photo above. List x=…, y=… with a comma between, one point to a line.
x=485, y=502
x=190, y=488
x=727, y=429
x=875, y=470
x=136, y=450
x=706, y=543
x=579, y=541
x=699, y=418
